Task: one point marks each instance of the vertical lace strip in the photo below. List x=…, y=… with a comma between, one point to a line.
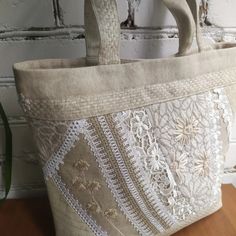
x=113, y=184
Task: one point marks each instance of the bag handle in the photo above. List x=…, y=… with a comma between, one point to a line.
x=7, y=172
x=102, y=32
x=102, y=29
x=182, y=13
x=194, y=6
x=187, y=12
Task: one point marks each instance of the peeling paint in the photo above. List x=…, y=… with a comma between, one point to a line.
x=58, y=13
x=130, y=21
x=203, y=13
x=39, y=33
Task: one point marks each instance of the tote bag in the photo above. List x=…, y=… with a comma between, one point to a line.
x=131, y=147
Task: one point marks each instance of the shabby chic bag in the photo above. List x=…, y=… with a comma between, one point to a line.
x=131, y=147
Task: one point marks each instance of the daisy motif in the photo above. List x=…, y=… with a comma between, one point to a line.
x=202, y=165
x=154, y=161
x=185, y=129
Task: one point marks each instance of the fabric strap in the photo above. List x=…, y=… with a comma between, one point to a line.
x=102, y=28
x=102, y=32
x=194, y=6
x=185, y=22
x=7, y=166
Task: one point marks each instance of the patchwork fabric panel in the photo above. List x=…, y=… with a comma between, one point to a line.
x=149, y=171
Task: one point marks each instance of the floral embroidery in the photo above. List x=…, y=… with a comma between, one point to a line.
x=195, y=191
x=177, y=156
x=91, y=187
x=79, y=183
x=182, y=209
x=178, y=165
x=202, y=165
x=174, y=142
x=154, y=162
x=185, y=129
x=111, y=213
x=82, y=165
x=93, y=207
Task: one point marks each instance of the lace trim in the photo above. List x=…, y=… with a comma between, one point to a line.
x=216, y=142
x=191, y=126
x=133, y=155
x=121, y=199
x=193, y=218
x=48, y=136
x=71, y=136
x=76, y=206
x=187, y=136
x=224, y=105
x=82, y=107
x=126, y=175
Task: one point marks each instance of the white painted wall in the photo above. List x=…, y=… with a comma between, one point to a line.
x=31, y=29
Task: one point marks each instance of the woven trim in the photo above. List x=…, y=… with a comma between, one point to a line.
x=127, y=161
x=75, y=205
x=120, y=194
x=126, y=175
x=82, y=107
x=102, y=17
x=149, y=192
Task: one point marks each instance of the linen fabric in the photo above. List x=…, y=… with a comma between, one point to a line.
x=131, y=147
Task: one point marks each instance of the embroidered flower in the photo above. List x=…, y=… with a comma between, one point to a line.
x=140, y=124
x=197, y=193
x=186, y=126
x=111, y=213
x=153, y=161
x=182, y=209
x=93, y=186
x=197, y=103
x=202, y=165
x=93, y=207
x=178, y=165
x=185, y=129
x=79, y=183
x=81, y=165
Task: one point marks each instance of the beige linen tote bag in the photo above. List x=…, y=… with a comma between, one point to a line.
x=131, y=147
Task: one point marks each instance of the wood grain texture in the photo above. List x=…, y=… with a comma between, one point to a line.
x=32, y=217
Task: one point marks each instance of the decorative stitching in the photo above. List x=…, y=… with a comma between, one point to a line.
x=114, y=185
x=133, y=155
x=76, y=206
x=71, y=136
x=191, y=125
x=125, y=173
x=141, y=131
x=88, y=106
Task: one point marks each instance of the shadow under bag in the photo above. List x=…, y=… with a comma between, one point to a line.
x=131, y=147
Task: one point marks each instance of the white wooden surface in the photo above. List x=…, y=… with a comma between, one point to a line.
x=31, y=29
